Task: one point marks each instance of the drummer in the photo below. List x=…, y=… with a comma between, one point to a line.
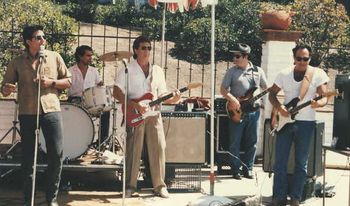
x=85, y=76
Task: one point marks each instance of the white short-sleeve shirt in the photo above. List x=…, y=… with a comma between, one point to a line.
x=291, y=88
x=138, y=84
x=79, y=84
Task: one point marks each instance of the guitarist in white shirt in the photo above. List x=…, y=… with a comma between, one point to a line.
x=301, y=130
x=239, y=80
x=144, y=78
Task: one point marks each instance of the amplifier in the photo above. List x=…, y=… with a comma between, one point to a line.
x=314, y=167
x=220, y=105
x=185, y=135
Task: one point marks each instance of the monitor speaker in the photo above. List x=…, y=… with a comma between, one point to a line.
x=341, y=119
x=185, y=135
x=315, y=152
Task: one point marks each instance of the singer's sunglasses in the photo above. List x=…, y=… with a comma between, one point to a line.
x=305, y=59
x=149, y=48
x=39, y=37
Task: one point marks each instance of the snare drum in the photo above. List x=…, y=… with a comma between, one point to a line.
x=78, y=131
x=97, y=99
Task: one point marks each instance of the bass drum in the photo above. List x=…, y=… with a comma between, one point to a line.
x=78, y=131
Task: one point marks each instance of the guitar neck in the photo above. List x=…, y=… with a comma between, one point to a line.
x=305, y=104
x=168, y=96
x=253, y=99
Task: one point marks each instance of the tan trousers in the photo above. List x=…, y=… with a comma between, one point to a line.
x=152, y=130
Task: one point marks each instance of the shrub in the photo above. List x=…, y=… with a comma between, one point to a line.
x=323, y=23
x=18, y=13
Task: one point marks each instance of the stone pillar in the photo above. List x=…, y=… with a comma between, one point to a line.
x=276, y=55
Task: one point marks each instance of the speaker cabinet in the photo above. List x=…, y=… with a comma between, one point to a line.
x=222, y=144
x=185, y=135
x=341, y=119
x=315, y=153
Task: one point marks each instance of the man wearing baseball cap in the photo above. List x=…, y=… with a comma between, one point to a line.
x=238, y=81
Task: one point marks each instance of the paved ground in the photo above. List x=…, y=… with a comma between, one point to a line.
x=225, y=187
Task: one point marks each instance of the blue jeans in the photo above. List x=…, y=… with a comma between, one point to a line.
x=51, y=125
x=301, y=133
x=248, y=130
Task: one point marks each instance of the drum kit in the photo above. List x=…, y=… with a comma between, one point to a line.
x=78, y=123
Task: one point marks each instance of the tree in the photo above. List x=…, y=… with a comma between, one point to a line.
x=323, y=23
x=16, y=14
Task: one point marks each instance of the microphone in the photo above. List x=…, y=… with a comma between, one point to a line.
x=41, y=51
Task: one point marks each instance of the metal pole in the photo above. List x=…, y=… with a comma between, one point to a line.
x=212, y=96
x=163, y=39
x=324, y=177
x=125, y=128
x=37, y=130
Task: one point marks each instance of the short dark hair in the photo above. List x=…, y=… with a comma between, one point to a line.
x=301, y=46
x=80, y=51
x=28, y=32
x=137, y=42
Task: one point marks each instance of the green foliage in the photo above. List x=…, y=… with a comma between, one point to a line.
x=18, y=13
x=114, y=15
x=81, y=10
x=322, y=22
x=192, y=31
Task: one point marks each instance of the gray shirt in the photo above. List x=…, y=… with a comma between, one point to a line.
x=239, y=80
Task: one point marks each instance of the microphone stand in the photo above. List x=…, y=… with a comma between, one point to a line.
x=37, y=130
x=125, y=129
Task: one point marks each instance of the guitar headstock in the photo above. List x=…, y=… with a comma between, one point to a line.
x=194, y=85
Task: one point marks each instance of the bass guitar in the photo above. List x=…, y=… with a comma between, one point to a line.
x=293, y=109
x=247, y=104
x=134, y=118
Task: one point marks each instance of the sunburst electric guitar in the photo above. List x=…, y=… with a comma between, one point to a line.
x=247, y=104
x=134, y=118
x=293, y=109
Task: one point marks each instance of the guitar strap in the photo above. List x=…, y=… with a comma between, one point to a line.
x=254, y=69
x=305, y=84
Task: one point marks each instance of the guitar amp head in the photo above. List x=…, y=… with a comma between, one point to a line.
x=220, y=105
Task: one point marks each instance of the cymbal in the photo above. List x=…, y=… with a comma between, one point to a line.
x=114, y=56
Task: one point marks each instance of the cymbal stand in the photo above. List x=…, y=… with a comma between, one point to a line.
x=13, y=129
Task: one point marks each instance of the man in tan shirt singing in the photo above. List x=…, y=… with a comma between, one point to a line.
x=22, y=75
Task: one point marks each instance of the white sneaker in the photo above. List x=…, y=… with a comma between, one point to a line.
x=163, y=192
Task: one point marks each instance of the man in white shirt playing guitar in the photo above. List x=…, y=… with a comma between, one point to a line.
x=145, y=82
x=301, y=130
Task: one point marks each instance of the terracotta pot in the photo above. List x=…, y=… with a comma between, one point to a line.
x=275, y=19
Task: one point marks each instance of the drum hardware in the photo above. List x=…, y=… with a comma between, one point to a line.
x=112, y=141
x=14, y=130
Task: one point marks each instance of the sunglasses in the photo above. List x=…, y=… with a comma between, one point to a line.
x=39, y=37
x=305, y=59
x=149, y=48
x=237, y=56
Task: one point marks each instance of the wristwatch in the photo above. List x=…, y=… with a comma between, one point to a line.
x=53, y=84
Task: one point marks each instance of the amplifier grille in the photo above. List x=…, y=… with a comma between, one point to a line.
x=185, y=135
